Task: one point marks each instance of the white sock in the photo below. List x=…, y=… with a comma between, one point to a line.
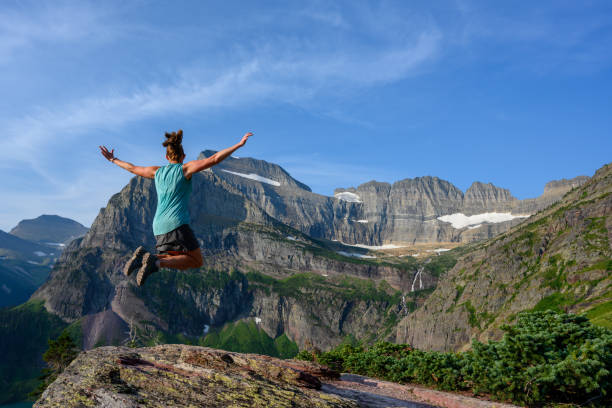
x=157, y=263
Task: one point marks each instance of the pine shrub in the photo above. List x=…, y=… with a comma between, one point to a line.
x=546, y=358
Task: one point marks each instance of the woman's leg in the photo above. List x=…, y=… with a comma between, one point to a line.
x=181, y=260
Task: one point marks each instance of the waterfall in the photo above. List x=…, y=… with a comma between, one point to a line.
x=419, y=276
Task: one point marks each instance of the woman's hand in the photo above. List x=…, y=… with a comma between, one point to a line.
x=245, y=138
x=108, y=155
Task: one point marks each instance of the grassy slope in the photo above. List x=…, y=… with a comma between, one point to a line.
x=559, y=259
x=246, y=337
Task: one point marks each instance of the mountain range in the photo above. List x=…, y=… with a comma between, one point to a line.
x=253, y=217
x=420, y=210
x=304, y=268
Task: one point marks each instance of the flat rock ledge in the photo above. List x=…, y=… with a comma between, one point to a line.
x=176, y=375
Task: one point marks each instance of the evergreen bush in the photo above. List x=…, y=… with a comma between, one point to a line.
x=547, y=357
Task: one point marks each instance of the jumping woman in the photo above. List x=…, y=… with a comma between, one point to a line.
x=176, y=243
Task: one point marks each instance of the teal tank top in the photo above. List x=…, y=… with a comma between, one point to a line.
x=173, y=191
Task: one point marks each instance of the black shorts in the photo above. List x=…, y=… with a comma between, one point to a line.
x=181, y=239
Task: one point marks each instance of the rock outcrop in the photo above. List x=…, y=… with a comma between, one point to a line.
x=187, y=376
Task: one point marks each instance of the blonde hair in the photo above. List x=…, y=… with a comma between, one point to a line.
x=174, y=148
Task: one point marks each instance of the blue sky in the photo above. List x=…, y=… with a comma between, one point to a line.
x=339, y=93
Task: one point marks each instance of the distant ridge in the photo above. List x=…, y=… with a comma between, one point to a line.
x=49, y=229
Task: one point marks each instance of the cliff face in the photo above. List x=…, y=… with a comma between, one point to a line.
x=374, y=213
x=186, y=376
x=410, y=210
x=560, y=258
x=287, y=200
x=481, y=198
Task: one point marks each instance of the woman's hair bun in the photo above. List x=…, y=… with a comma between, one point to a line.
x=174, y=138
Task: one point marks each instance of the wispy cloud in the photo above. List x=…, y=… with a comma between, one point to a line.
x=275, y=70
x=38, y=24
x=331, y=17
x=265, y=77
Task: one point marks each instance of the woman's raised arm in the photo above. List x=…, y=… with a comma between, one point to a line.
x=195, y=166
x=148, y=172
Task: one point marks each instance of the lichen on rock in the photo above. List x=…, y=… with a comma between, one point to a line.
x=188, y=376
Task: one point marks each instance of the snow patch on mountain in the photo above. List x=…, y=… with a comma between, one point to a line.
x=348, y=196
x=372, y=247
x=377, y=247
x=356, y=255
x=438, y=250
x=459, y=220
x=57, y=244
x=253, y=176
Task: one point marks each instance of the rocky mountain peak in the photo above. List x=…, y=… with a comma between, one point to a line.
x=247, y=168
x=374, y=185
x=431, y=186
x=489, y=190
x=481, y=197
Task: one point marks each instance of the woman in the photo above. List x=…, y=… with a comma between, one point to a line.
x=176, y=243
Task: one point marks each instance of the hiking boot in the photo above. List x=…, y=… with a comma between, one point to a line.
x=135, y=261
x=148, y=267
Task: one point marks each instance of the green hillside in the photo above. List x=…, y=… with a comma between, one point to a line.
x=558, y=259
x=24, y=334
